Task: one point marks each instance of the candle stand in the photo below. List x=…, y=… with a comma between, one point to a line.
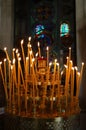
x=39, y=94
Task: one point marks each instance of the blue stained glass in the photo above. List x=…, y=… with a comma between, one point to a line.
x=64, y=29
x=39, y=30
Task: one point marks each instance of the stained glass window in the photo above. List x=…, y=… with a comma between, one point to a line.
x=64, y=29
x=39, y=31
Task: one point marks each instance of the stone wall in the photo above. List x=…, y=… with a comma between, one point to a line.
x=81, y=30
x=6, y=24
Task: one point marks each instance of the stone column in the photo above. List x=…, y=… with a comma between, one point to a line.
x=6, y=24
x=81, y=56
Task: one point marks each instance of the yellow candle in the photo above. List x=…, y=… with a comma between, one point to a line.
x=72, y=83
x=49, y=70
x=36, y=60
x=5, y=49
x=69, y=53
x=78, y=85
x=5, y=74
x=13, y=93
x=81, y=73
x=67, y=61
x=66, y=85
x=14, y=70
x=5, y=87
x=23, y=53
x=39, y=49
x=69, y=69
x=34, y=80
x=29, y=46
x=13, y=53
x=26, y=81
x=58, y=71
x=53, y=83
x=30, y=62
x=27, y=66
x=47, y=55
x=19, y=109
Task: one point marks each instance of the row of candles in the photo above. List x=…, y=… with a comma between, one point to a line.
x=16, y=73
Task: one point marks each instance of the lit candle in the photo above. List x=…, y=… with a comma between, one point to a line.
x=66, y=85
x=66, y=78
x=13, y=53
x=47, y=55
x=39, y=49
x=69, y=69
x=13, y=89
x=27, y=66
x=29, y=46
x=21, y=73
x=81, y=71
x=36, y=59
x=76, y=71
x=5, y=87
x=78, y=85
x=58, y=71
x=5, y=49
x=67, y=61
x=34, y=80
x=5, y=78
x=49, y=70
x=19, y=85
x=30, y=62
x=58, y=82
x=72, y=83
x=5, y=71
x=23, y=53
x=14, y=71
x=53, y=83
x=69, y=53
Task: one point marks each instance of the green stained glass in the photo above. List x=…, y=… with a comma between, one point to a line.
x=64, y=29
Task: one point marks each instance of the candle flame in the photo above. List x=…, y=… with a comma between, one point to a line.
x=57, y=64
x=0, y=62
x=5, y=48
x=17, y=50
x=22, y=41
x=30, y=52
x=76, y=68
x=67, y=57
x=29, y=39
x=70, y=61
x=78, y=73
x=11, y=67
x=27, y=58
x=72, y=68
x=14, y=61
x=5, y=60
x=38, y=44
x=13, y=49
x=65, y=66
x=18, y=54
x=55, y=60
x=19, y=58
x=36, y=54
x=47, y=48
x=69, y=48
x=82, y=63
x=50, y=63
x=33, y=59
x=62, y=72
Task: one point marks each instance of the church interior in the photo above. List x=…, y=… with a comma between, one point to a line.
x=42, y=65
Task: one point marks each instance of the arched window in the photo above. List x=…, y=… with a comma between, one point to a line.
x=64, y=29
x=39, y=31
